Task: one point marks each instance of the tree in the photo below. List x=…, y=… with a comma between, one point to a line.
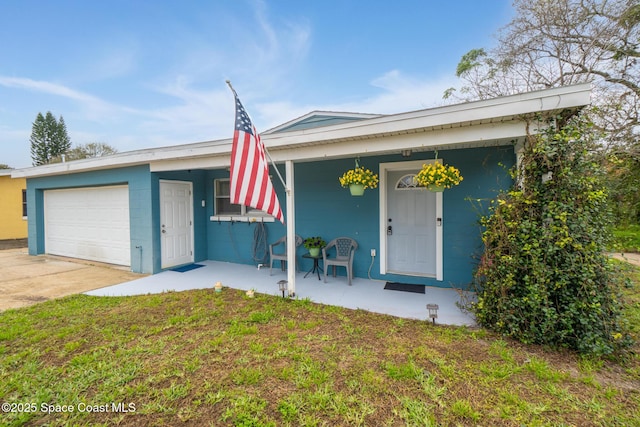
x=49, y=139
x=4, y=166
x=562, y=42
x=86, y=151
x=544, y=277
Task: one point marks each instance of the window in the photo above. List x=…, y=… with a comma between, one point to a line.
x=407, y=182
x=222, y=199
x=24, y=203
x=223, y=205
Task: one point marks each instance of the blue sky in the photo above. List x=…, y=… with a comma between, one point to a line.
x=148, y=73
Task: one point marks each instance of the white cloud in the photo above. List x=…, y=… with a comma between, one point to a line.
x=405, y=93
x=396, y=93
x=47, y=87
x=205, y=114
x=92, y=106
x=191, y=102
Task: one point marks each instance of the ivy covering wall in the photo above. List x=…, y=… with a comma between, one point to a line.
x=545, y=277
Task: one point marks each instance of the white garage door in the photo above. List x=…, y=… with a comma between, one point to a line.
x=88, y=223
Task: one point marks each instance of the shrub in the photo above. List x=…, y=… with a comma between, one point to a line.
x=544, y=276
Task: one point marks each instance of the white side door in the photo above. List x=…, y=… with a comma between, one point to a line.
x=176, y=223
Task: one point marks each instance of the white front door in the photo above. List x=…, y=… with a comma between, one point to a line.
x=410, y=223
x=176, y=223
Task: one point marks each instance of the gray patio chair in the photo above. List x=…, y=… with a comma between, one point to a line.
x=282, y=257
x=345, y=248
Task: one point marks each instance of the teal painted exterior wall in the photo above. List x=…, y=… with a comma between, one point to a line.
x=324, y=208
x=140, y=209
x=239, y=242
x=200, y=218
x=144, y=209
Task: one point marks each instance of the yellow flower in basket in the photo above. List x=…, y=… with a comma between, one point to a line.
x=436, y=177
x=359, y=175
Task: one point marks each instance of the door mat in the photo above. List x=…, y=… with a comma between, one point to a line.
x=187, y=268
x=405, y=287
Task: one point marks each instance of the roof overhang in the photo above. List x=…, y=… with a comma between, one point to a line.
x=497, y=121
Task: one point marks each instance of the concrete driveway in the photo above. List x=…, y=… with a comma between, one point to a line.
x=26, y=280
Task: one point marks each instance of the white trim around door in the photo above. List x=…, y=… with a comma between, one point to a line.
x=409, y=166
x=176, y=223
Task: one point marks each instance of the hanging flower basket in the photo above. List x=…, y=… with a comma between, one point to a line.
x=437, y=177
x=358, y=180
x=356, y=189
x=435, y=188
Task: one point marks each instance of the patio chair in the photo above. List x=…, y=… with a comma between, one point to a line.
x=345, y=248
x=282, y=257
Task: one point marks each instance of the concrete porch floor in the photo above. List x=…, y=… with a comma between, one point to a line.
x=364, y=294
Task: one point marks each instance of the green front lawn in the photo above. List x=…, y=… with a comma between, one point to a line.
x=627, y=239
x=202, y=358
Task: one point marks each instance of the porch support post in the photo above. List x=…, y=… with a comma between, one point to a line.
x=291, y=230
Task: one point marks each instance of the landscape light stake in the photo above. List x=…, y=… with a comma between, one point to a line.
x=433, y=312
x=282, y=284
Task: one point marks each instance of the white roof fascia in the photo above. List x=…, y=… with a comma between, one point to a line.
x=130, y=158
x=488, y=134
x=477, y=112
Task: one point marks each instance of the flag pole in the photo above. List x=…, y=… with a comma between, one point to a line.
x=265, y=149
x=286, y=189
x=290, y=223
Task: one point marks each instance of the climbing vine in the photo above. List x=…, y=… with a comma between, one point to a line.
x=544, y=276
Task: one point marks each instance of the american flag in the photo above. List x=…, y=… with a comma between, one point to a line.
x=250, y=183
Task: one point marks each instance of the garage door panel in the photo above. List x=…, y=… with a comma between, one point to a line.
x=89, y=223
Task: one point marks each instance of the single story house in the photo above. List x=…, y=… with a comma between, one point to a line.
x=13, y=206
x=159, y=208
